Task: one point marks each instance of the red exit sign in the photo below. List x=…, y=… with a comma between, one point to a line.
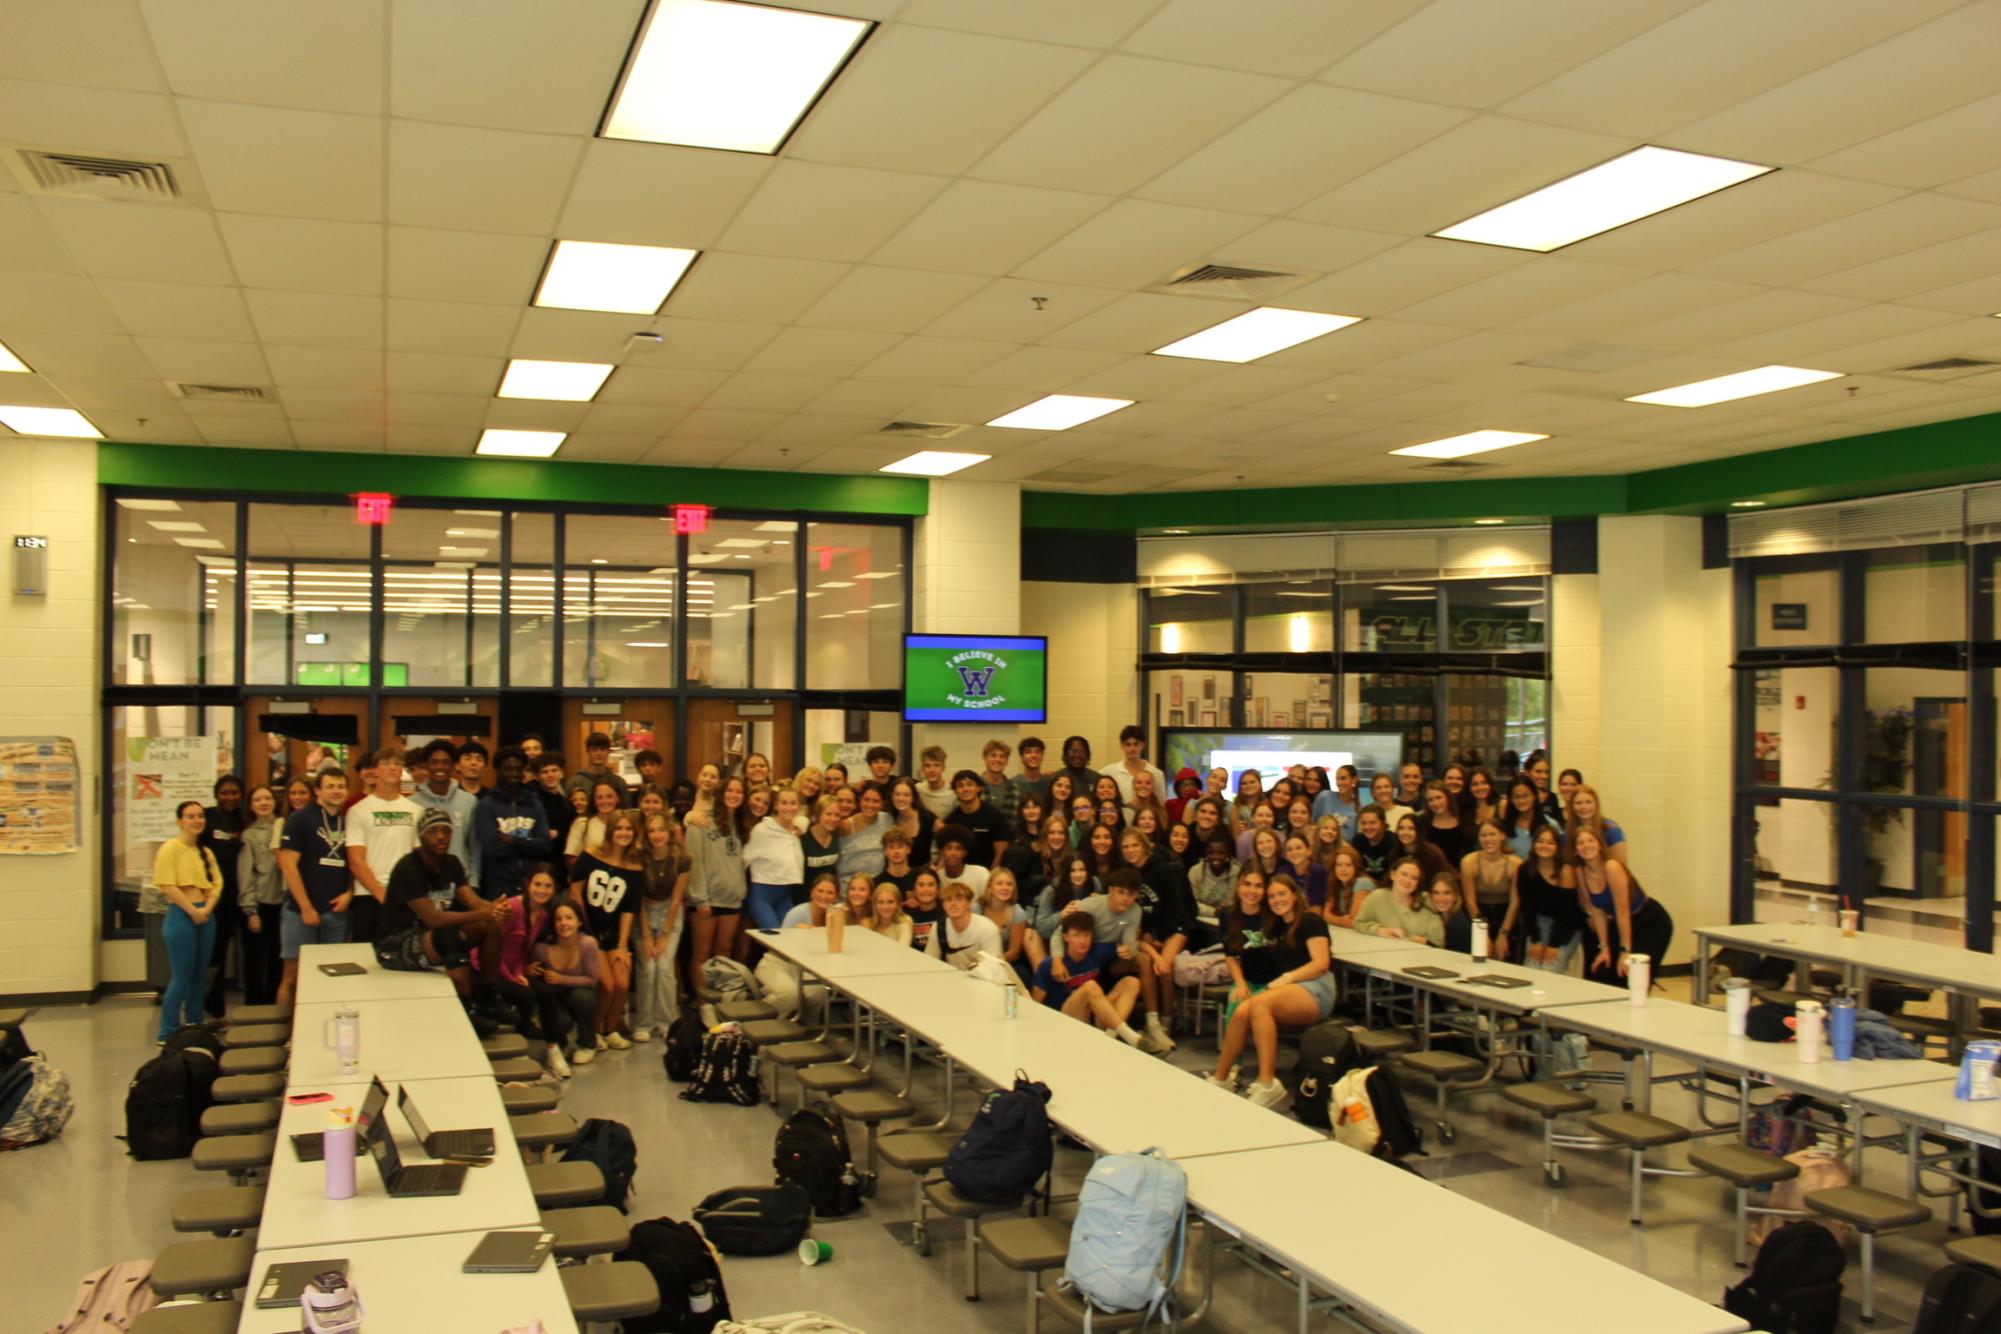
x=373, y=507
x=691, y=519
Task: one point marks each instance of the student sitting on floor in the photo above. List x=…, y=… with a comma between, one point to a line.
x=1400, y=914
x=565, y=978
x=964, y=932
x=1301, y=991
x=1080, y=993
x=1116, y=912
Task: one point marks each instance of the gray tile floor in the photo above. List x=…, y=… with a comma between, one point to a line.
x=80, y=1202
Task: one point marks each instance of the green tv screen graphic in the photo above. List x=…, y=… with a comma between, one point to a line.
x=975, y=678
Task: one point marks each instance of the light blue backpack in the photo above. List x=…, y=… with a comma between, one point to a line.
x=1131, y=1230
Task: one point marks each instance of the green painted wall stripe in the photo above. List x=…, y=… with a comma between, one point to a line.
x=194, y=468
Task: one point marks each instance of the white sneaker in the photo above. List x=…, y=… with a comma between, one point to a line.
x=1229, y=1083
x=617, y=1042
x=557, y=1065
x=584, y=1056
x=597, y=1041
x=642, y=1035
x=1156, y=1033
x=1266, y=1095
x=1126, y=1035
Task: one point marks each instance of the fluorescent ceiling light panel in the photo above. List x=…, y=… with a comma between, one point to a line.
x=1744, y=384
x=177, y=526
x=1747, y=504
x=201, y=543
x=565, y=381
x=622, y=279
x=519, y=444
x=1636, y=185
x=164, y=506
x=10, y=362
x=48, y=421
x=1473, y=442
x=1060, y=412
x=1488, y=523
x=1256, y=333
x=933, y=463
x=716, y=74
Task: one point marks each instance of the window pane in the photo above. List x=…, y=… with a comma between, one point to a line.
x=309, y=607
x=1386, y=618
x=441, y=610
x=1794, y=849
x=1294, y=617
x=1287, y=701
x=1190, y=620
x=1913, y=594
x=531, y=625
x=1399, y=700
x=1793, y=726
x=1915, y=734
x=1798, y=601
x=844, y=736
x=173, y=594
x=1496, y=615
x=1913, y=853
x=618, y=600
x=854, y=608
x=1487, y=714
x=740, y=626
x=161, y=756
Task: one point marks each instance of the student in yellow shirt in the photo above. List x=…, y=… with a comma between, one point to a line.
x=187, y=877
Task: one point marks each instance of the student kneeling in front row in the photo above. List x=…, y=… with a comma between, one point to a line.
x=431, y=918
x=1079, y=992
x=1115, y=922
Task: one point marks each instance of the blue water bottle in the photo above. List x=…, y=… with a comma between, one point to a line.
x=1841, y=1027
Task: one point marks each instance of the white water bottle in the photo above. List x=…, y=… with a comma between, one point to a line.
x=1737, y=1004
x=1479, y=940
x=342, y=1035
x=1809, y=1030
x=1639, y=978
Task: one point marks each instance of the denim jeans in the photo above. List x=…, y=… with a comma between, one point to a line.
x=188, y=948
x=769, y=903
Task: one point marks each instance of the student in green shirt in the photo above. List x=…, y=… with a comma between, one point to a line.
x=1401, y=914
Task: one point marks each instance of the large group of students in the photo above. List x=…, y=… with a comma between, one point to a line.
x=584, y=906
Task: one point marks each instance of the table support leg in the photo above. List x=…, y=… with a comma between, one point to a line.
x=1305, y=1303
x=1701, y=979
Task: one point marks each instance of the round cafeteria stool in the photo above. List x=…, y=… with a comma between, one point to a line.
x=621, y=1290
x=261, y=1014
x=1444, y=1069
x=240, y=1118
x=744, y=1011
x=795, y=1056
x=190, y=1318
x=200, y=1268
x=238, y=1036
x=771, y=1032
x=219, y=1209
x=559, y=1184
x=1379, y=1045
x=918, y=1152
x=939, y=1196
x=252, y=1061
x=1978, y=1252
x=247, y=1088
x=542, y=1131
x=1868, y=1212
x=1550, y=1101
x=1637, y=1132
x=516, y=1069
x=871, y=1107
x=592, y=1229
x=1745, y=1169
x=503, y=1045
x=529, y=1099
x=238, y=1155
x=1029, y=1246
x=831, y=1078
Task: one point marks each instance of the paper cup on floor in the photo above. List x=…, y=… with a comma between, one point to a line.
x=814, y=1252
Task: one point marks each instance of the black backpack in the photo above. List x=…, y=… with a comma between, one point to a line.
x=812, y=1150
x=1960, y=1299
x=1400, y=1133
x=678, y=1259
x=684, y=1046
x=756, y=1220
x=1326, y=1052
x=1795, y=1283
x=1007, y=1148
x=608, y=1144
x=164, y=1103
x=196, y=1037
x=1987, y=1195
x=726, y=1071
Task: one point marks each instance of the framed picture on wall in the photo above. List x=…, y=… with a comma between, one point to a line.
x=1320, y=719
x=1207, y=718
x=1209, y=690
x=1174, y=692
x=1259, y=708
x=1280, y=720
x=1174, y=716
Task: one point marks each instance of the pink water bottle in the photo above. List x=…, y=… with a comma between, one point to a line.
x=337, y=1145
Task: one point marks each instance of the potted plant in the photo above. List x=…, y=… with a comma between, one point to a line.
x=1886, y=767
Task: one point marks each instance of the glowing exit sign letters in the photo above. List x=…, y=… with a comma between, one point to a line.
x=690, y=520
x=373, y=507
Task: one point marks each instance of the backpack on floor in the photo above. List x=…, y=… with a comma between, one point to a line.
x=684, y=1046
x=1960, y=1299
x=14, y=1048
x=755, y=1220
x=164, y=1103
x=678, y=1257
x=812, y=1150
x=109, y=1299
x=1326, y=1052
x=726, y=1070
x=1354, y=1115
x=1130, y=1233
x=610, y=1145
x=1820, y=1169
x=1007, y=1148
x=792, y=1322
x=203, y=1037
x=1987, y=1171
x=43, y=1109
x=1795, y=1283
x=728, y=980
x=1400, y=1134
x=1776, y=1129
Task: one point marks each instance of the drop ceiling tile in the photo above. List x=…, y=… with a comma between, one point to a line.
x=1772, y=206
x=1143, y=321
x=1805, y=344
x=303, y=255
x=981, y=227
x=653, y=388
x=764, y=289
x=1015, y=310
x=631, y=419
x=1414, y=271
x=934, y=361
x=1042, y=370
x=1304, y=247
x=593, y=448
x=149, y=397
x=1100, y=24
x=819, y=352
x=803, y=431
x=711, y=424
x=164, y=429
x=673, y=452
x=1175, y=380
x=1647, y=301
x=1363, y=345
x=26, y=239
x=1266, y=36
x=522, y=414
x=1891, y=229
x=325, y=368
x=658, y=194
x=709, y=345
x=520, y=65
x=224, y=50
x=315, y=319
x=311, y=164
x=1238, y=424
x=453, y=327
x=1515, y=293
x=859, y=398
x=431, y=373
x=1344, y=394
x=334, y=405
x=343, y=436
x=971, y=406
x=1123, y=122
x=928, y=99
x=768, y=393
x=31, y=391
x=1757, y=313
x=1952, y=338
x=180, y=310
x=446, y=440
x=464, y=266
x=1135, y=244
x=884, y=300
x=40, y=42
x=90, y=120
x=858, y=459
x=264, y=410
x=1951, y=146
x=811, y=211
x=1986, y=186
x=575, y=335
x=235, y=431
x=1925, y=269
x=1981, y=296
x=139, y=241
x=195, y=361
x=474, y=180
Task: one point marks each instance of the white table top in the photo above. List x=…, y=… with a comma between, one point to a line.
x=400, y=1039
x=1110, y=1095
x=1933, y=1106
x=297, y=1211
x=1878, y=955
x=1278, y=1199
x=863, y=954
x=1347, y=943
x=1545, y=988
x=418, y=1283
x=1701, y=1036
x=378, y=983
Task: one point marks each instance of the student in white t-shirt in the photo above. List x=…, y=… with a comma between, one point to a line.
x=936, y=794
x=381, y=831
x=964, y=932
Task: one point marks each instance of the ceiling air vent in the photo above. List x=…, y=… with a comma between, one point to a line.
x=78, y=174
x=1233, y=282
x=923, y=430
x=242, y=393
x=1946, y=368
x=1454, y=465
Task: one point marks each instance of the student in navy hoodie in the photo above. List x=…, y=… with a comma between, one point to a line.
x=512, y=827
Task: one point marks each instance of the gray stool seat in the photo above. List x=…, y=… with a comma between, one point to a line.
x=833, y=1078
x=617, y=1291
x=1548, y=1099
x=744, y=1011
x=246, y=1088
x=215, y=1264
x=939, y=1195
x=218, y=1209
x=543, y=1130
x=238, y=1036
x=261, y=1014
x=504, y=1044
x=1980, y=1252
x=234, y=1153
x=771, y=1032
x=201, y=1318
x=516, y=1068
x=1444, y=1065
x=530, y=1100
x=871, y=1105
x=252, y=1061
x=240, y=1118
x=1377, y=1043
x=799, y=1053
x=12, y=1017
x=1742, y=1166
x=1028, y=1245
x=1870, y=1210
x=595, y=1229
x=1637, y=1130
x=556, y=1184
x=916, y=1150
x=1071, y=1307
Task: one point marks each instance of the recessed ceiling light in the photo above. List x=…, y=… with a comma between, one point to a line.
x=176, y=526
x=933, y=463
x=1060, y=412
x=599, y=560
x=1747, y=504
x=1473, y=442
x=1403, y=588
x=10, y=362
x=497, y=443
x=1744, y=384
x=1635, y=185
x=622, y=279
x=565, y=381
x=464, y=553
x=1175, y=532
x=752, y=543
x=163, y=506
x=1488, y=523
x=715, y=74
x=647, y=643
x=199, y=543
x=48, y=421
x=1256, y=333
x=472, y=532
x=1517, y=588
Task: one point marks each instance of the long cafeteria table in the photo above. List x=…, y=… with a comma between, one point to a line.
x=400, y=1039
x=416, y=1283
x=377, y=983
x=1929, y=1110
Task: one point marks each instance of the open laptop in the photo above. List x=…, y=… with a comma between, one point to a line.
x=408, y=1180
x=310, y=1144
x=444, y=1143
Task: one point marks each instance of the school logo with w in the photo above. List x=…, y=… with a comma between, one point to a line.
x=976, y=680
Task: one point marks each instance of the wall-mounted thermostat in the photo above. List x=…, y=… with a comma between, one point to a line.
x=31, y=566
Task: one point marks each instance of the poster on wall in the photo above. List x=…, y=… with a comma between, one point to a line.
x=848, y=753
x=38, y=791
x=161, y=772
